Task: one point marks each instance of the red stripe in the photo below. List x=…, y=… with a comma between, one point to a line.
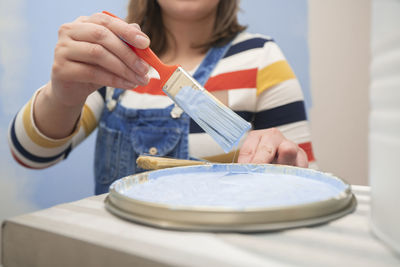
x=307, y=147
x=225, y=81
x=233, y=80
x=22, y=163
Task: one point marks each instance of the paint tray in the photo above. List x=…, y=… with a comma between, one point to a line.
x=231, y=198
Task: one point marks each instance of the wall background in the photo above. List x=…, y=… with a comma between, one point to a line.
x=339, y=82
x=339, y=41
x=28, y=31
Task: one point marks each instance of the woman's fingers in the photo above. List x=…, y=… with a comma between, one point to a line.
x=270, y=146
x=249, y=147
x=120, y=28
x=95, y=54
x=90, y=54
x=101, y=46
x=302, y=159
x=287, y=153
x=90, y=51
x=260, y=146
x=92, y=74
x=267, y=149
x=96, y=34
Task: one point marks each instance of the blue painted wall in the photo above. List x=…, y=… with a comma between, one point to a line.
x=28, y=31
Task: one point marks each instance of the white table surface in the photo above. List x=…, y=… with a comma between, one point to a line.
x=347, y=241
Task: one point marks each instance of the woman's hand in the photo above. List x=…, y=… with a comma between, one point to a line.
x=90, y=54
x=270, y=146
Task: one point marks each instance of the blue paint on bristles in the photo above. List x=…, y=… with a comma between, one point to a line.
x=220, y=122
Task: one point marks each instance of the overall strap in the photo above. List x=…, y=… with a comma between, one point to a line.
x=211, y=60
x=112, y=103
x=117, y=93
x=204, y=71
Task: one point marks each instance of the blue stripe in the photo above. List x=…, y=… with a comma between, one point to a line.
x=102, y=92
x=27, y=154
x=67, y=151
x=246, y=45
x=195, y=128
x=289, y=113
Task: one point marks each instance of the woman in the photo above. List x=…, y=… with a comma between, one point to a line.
x=249, y=74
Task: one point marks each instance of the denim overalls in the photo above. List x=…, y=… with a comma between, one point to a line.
x=125, y=133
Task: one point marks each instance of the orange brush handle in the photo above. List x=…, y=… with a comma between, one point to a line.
x=165, y=71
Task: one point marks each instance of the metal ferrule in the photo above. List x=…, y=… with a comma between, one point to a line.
x=179, y=79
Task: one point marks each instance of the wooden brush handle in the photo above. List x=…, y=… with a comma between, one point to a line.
x=155, y=163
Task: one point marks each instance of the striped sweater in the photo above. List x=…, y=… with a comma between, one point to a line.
x=253, y=79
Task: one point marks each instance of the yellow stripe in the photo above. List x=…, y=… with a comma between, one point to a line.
x=273, y=74
x=35, y=136
x=89, y=122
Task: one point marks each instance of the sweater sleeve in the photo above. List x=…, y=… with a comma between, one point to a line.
x=280, y=101
x=33, y=149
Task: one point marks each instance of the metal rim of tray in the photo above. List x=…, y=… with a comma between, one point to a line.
x=214, y=219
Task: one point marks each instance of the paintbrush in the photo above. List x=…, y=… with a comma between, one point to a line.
x=155, y=163
x=216, y=119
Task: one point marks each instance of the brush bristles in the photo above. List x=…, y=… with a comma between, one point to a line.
x=220, y=122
